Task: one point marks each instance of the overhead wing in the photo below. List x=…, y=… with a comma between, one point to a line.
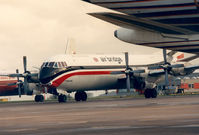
x=181, y=15
x=132, y=22
x=175, y=23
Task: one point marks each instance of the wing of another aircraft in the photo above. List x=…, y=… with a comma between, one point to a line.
x=169, y=24
x=182, y=14
x=133, y=22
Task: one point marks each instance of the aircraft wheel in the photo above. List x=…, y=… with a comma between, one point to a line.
x=39, y=98
x=83, y=96
x=62, y=98
x=80, y=96
x=147, y=93
x=77, y=96
x=154, y=93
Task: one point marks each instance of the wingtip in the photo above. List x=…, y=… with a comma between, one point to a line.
x=87, y=1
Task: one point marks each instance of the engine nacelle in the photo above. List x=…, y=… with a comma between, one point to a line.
x=139, y=36
x=180, y=71
x=139, y=83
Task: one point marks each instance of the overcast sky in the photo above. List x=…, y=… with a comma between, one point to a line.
x=40, y=29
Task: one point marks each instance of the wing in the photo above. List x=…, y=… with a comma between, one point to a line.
x=180, y=14
x=175, y=22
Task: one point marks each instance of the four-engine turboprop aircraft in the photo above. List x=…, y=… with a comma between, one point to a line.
x=75, y=73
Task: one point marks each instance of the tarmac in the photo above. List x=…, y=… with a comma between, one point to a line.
x=123, y=116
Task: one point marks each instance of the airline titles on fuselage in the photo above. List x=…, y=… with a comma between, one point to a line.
x=109, y=59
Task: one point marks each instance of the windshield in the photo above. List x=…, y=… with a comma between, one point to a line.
x=54, y=64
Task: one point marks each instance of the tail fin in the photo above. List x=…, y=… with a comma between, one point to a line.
x=182, y=57
x=70, y=46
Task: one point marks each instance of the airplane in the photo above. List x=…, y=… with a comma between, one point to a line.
x=5, y=88
x=77, y=73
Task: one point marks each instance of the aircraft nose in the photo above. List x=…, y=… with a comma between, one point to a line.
x=45, y=75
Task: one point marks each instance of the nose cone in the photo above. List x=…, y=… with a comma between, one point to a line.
x=45, y=75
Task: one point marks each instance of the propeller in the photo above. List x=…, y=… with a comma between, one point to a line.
x=167, y=66
x=127, y=72
x=26, y=75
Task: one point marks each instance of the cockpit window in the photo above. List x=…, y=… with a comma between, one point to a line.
x=51, y=64
x=43, y=64
x=55, y=65
x=59, y=64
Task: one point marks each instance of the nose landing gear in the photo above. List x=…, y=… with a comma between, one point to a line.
x=39, y=98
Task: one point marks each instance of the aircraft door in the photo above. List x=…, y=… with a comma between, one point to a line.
x=196, y=3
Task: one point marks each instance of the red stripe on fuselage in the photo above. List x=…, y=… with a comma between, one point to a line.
x=60, y=80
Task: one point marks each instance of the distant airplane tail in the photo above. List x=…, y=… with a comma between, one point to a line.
x=182, y=57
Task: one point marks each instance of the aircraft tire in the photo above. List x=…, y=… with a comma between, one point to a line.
x=62, y=98
x=39, y=98
x=83, y=96
x=78, y=96
x=153, y=93
x=147, y=93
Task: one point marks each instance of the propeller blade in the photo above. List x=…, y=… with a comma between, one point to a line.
x=15, y=75
x=12, y=84
x=154, y=67
x=138, y=71
x=177, y=65
x=127, y=60
x=25, y=63
x=19, y=90
x=165, y=55
x=131, y=72
x=19, y=84
x=128, y=83
x=166, y=78
x=26, y=86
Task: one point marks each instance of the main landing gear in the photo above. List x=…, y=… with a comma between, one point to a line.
x=62, y=98
x=150, y=93
x=39, y=98
x=80, y=96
